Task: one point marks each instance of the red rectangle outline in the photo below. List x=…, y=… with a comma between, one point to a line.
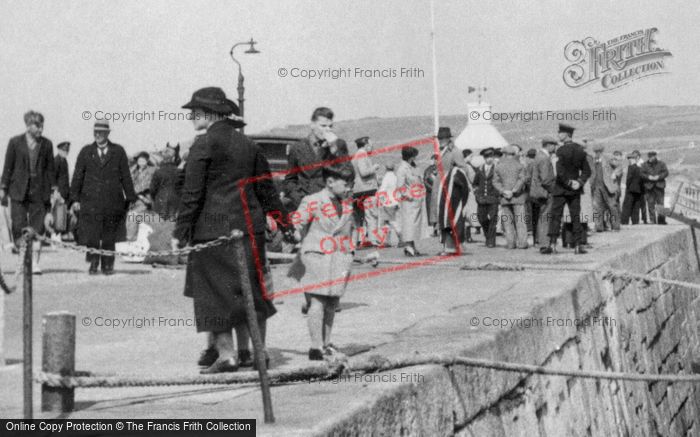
x=259, y=267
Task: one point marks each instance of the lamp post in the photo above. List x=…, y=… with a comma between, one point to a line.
x=241, y=88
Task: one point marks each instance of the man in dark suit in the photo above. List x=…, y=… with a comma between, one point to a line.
x=572, y=172
x=634, y=191
x=28, y=177
x=654, y=174
x=487, y=198
x=101, y=192
x=541, y=182
x=304, y=160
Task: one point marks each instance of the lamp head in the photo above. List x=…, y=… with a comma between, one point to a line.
x=252, y=50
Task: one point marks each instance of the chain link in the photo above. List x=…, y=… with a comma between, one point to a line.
x=235, y=235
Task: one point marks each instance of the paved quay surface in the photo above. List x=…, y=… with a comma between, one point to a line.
x=429, y=309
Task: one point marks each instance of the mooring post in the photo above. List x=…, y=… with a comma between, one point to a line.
x=58, y=356
x=258, y=346
x=27, y=325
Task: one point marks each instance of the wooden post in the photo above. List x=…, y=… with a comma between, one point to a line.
x=58, y=356
x=27, y=325
x=675, y=196
x=258, y=346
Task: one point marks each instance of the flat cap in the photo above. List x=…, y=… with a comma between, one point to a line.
x=566, y=128
x=487, y=152
x=549, y=140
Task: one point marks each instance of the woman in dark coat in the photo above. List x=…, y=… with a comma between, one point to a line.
x=166, y=185
x=218, y=161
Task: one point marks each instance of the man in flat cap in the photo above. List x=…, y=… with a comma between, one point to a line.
x=654, y=174
x=29, y=180
x=101, y=192
x=541, y=185
x=633, y=203
x=487, y=198
x=605, y=187
x=572, y=172
x=366, y=213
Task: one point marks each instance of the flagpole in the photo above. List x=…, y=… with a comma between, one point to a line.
x=436, y=118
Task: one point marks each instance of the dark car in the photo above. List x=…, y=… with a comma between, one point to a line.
x=275, y=149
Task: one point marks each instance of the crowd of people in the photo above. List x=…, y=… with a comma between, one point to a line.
x=558, y=191
x=330, y=204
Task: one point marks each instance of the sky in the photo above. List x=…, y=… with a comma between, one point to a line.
x=64, y=58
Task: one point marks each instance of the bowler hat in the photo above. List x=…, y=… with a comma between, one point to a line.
x=212, y=99
x=652, y=153
x=566, y=128
x=63, y=146
x=487, y=152
x=101, y=125
x=549, y=140
x=444, y=133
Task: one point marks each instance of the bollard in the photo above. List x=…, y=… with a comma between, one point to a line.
x=258, y=348
x=58, y=356
x=27, y=326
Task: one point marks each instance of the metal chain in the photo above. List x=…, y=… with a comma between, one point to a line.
x=235, y=235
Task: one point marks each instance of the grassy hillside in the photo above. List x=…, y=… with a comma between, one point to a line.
x=668, y=129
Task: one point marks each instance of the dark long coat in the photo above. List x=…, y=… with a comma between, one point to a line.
x=166, y=185
x=103, y=190
x=62, y=176
x=15, y=175
x=212, y=207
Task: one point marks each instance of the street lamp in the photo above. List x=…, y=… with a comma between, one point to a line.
x=241, y=89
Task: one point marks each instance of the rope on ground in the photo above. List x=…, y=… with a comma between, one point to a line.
x=515, y=267
x=369, y=364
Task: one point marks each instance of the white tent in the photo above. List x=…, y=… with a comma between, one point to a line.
x=479, y=132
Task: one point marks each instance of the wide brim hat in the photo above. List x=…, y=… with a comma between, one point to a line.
x=444, y=133
x=64, y=145
x=212, y=99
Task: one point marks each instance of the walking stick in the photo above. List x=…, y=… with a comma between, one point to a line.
x=258, y=346
x=27, y=324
